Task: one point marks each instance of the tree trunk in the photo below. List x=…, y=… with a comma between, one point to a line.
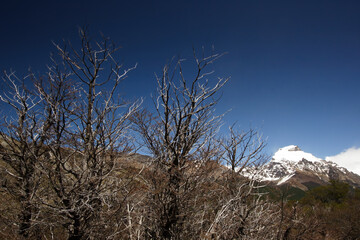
x=170, y=228
x=75, y=232
x=25, y=220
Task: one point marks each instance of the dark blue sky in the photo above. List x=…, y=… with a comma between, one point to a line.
x=294, y=65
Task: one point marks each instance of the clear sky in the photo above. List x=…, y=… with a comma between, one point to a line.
x=294, y=65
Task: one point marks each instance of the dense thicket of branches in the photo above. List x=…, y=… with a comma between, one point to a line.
x=62, y=140
x=69, y=170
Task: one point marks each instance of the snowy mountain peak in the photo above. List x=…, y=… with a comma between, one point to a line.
x=292, y=165
x=293, y=153
x=290, y=148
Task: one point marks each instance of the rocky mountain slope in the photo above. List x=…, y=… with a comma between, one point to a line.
x=293, y=166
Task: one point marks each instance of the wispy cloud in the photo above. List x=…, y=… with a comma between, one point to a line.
x=350, y=159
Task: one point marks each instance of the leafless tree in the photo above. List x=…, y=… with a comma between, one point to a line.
x=243, y=149
x=175, y=135
x=65, y=156
x=61, y=152
x=88, y=136
x=242, y=210
x=23, y=132
x=244, y=215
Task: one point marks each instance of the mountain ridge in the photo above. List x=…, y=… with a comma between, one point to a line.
x=291, y=165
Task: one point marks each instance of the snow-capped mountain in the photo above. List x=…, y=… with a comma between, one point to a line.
x=301, y=169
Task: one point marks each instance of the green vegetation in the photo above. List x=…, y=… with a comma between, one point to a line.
x=334, y=194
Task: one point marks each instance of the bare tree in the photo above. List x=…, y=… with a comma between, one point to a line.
x=61, y=149
x=23, y=133
x=244, y=215
x=242, y=210
x=65, y=156
x=88, y=136
x=243, y=149
x=175, y=135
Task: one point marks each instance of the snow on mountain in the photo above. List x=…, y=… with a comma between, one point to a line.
x=294, y=154
x=292, y=165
